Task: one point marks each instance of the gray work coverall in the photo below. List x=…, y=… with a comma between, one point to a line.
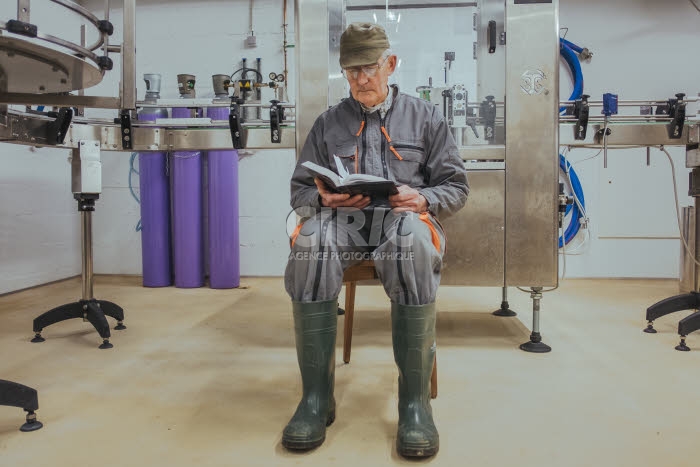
x=407, y=247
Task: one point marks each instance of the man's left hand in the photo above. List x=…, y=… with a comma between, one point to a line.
x=408, y=199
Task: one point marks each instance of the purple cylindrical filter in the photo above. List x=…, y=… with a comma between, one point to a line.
x=224, y=244
x=188, y=248
x=154, y=187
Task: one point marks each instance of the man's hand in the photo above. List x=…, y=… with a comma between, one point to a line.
x=338, y=200
x=408, y=199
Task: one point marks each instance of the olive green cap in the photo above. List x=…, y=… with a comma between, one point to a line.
x=362, y=44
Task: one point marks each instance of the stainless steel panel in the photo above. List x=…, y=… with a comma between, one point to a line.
x=312, y=57
x=491, y=68
x=337, y=84
x=626, y=134
x=688, y=270
x=475, y=235
x=483, y=153
x=59, y=100
x=532, y=87
x=128, y=50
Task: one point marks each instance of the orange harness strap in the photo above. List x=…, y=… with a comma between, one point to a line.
x=434, y=236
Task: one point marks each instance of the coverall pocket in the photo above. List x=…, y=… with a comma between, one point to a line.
x=347, y=153
x=409, y=170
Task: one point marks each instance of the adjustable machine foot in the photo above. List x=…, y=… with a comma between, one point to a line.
x=18, y=395
x=505, y=310
x=535, y=345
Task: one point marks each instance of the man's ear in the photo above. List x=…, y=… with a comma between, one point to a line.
x=391, y=64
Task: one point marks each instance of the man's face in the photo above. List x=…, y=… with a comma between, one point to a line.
x=371, y=90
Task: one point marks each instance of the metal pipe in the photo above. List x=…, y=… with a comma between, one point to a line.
x=536, y=297
x=412, y=6
x=105, y=37
x=144, y=104
x=632, y=103
x=605, y=144
x=81, y=91
x=505, y=294
x=86, y=241
x=258, y=91
x=69, y=45
x=285, y=72
x=82, y=11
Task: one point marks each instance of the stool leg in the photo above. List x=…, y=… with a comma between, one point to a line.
x=349, y=313
x=433, y=380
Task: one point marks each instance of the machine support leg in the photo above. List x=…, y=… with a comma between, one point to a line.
x=88, y=308
x=505, y=310
x=535, y=345
x=18, y=395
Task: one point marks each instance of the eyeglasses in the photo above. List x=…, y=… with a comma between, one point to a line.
x=368, y=70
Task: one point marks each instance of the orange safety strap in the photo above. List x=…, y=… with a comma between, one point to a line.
x=434, y=236
x=391, y=147
x=362, y=127
x=386, y=134
x=295, y=234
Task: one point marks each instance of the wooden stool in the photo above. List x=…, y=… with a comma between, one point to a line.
x=360, y=272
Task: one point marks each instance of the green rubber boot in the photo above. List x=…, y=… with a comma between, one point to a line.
x=315, y=327
x=413, y=333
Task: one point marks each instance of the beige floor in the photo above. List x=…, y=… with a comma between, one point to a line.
x=209, y=378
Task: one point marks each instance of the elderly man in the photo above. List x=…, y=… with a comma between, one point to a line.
x=382, y=132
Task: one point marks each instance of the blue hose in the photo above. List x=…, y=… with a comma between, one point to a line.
x=576, y=214
x=575, y=65
x=571, y=45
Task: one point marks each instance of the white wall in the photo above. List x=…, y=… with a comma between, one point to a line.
x=640, y=49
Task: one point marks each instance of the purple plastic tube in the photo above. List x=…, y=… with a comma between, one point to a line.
x=188, y=247
x=224, y=240
x=155, y=212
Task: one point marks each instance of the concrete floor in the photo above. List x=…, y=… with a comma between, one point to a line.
x=208, y=378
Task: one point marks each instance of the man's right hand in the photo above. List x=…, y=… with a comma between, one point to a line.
x=338, y=200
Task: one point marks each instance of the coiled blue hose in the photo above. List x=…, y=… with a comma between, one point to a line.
x=576, y=214
x=571, y=45
x=568, y=52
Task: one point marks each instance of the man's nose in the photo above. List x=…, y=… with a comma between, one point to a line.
x=362, y=78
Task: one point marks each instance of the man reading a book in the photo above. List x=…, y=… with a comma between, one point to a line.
x=381, y=132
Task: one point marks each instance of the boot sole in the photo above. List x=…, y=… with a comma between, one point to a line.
x=417, y=451
x=298, y=444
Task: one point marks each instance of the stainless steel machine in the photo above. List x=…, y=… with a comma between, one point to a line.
x=509, y=132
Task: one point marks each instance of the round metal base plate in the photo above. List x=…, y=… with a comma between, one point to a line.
x=26, y=67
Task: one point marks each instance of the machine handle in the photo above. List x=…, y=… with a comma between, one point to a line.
x=492, y=36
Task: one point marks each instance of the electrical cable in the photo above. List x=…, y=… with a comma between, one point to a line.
x=132, y=171
x=678, y=210
x=692, y=2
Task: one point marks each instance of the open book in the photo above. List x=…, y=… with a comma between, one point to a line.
x=352, y=184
